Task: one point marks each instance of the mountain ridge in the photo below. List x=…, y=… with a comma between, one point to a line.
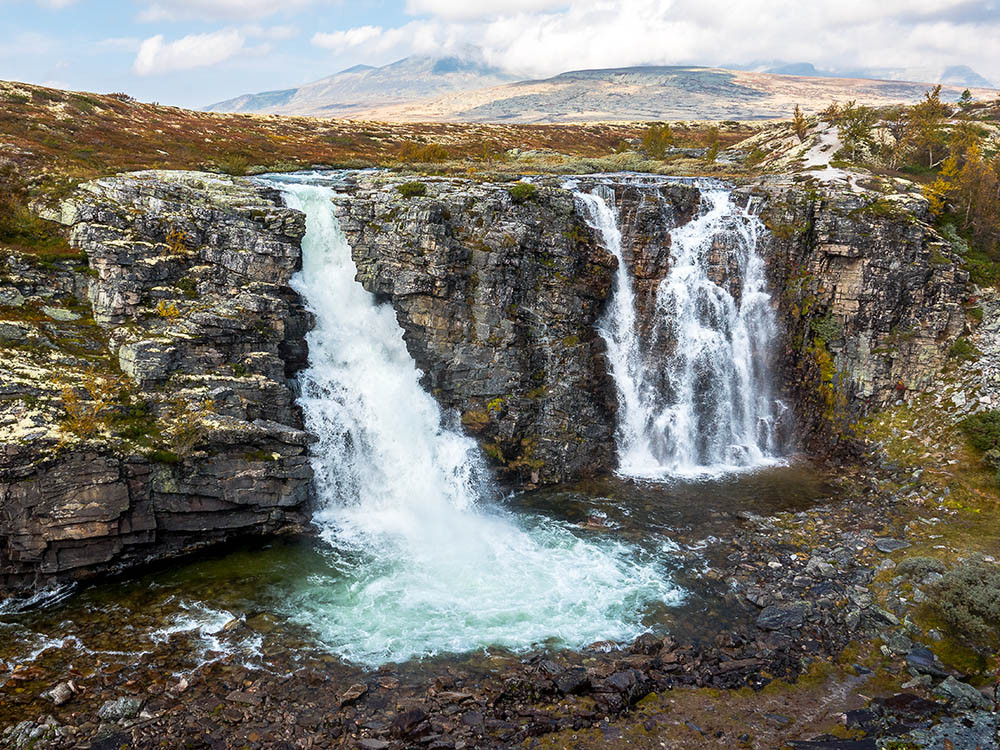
x=464, y=88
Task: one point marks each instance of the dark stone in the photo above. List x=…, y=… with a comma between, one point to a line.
x=647, y=644
x=910, y=705
x=116, y=741
x=573, y=680
x=777, y=617
x=921, y=659
x=408, y=722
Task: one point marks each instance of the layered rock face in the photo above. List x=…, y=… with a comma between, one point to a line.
x=498, y=300
x=158, y=419
x=871, y=298
x=147, y=406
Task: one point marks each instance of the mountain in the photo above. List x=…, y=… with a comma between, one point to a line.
x=364, y=86
x=656, y=93
x=954, y=75
x=963, y=75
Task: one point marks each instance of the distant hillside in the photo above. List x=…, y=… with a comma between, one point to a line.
x=656, y=93
x=953, y=75
x=364, y=86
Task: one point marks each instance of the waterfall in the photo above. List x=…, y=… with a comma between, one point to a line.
x=696, y=397
x=428, y=562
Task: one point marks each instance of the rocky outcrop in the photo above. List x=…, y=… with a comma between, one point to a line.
x=158, y=418
x=498, y=300
x=871, y=297
x=147, y=408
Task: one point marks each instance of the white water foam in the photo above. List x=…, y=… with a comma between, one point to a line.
x=707, y=407
x=425, y=567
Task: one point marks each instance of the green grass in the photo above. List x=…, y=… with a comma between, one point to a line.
x=522, y=192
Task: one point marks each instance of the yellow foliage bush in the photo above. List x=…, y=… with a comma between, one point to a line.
x=177, y=241
x=86, y=412
x=167, y=310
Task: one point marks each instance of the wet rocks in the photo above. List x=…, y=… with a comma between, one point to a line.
x=60, y=693
x=353, y=693
x=120, y=709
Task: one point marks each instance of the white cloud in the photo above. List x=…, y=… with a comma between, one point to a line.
x=341, y=41
x=172, y=10
x=272, y=33
x=118, y=44
x=465, y=10
x=193, y=51
x=545, y=37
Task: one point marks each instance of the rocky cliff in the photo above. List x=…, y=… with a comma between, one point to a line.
x=871, y=297
x=146, y=405
x=499, y=298
x=498, y=295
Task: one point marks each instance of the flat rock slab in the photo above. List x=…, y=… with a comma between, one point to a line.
x=887, y=545
x=923, y=660
x=781, y=616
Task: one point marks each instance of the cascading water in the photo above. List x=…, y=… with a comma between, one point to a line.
x=424, y=567
x=696, y=398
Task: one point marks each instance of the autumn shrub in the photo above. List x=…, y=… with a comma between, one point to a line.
x=177, y=241
x=87, y=406
x=713, y=142
x=422, y=152
x=657, y=140
x=184, y=424
x=167, y=310
x=799, y=124
x=234, y=164
x=968, y=600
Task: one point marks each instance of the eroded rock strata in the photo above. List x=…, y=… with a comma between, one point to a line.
x=147, y=410
x=498, y=300
x=176, y=335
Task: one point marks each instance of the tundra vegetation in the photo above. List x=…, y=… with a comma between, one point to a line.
x=951, y=150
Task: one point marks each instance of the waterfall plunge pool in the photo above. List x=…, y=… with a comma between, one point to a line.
x=271, y=607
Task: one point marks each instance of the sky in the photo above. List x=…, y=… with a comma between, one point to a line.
x=195, y=52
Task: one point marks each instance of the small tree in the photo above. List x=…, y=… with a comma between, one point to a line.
x=896, y=122
x=927, y=121
x=713, y=142
x=799, y=124
x=965, y=100
x=855, y=127
x=657, y=140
